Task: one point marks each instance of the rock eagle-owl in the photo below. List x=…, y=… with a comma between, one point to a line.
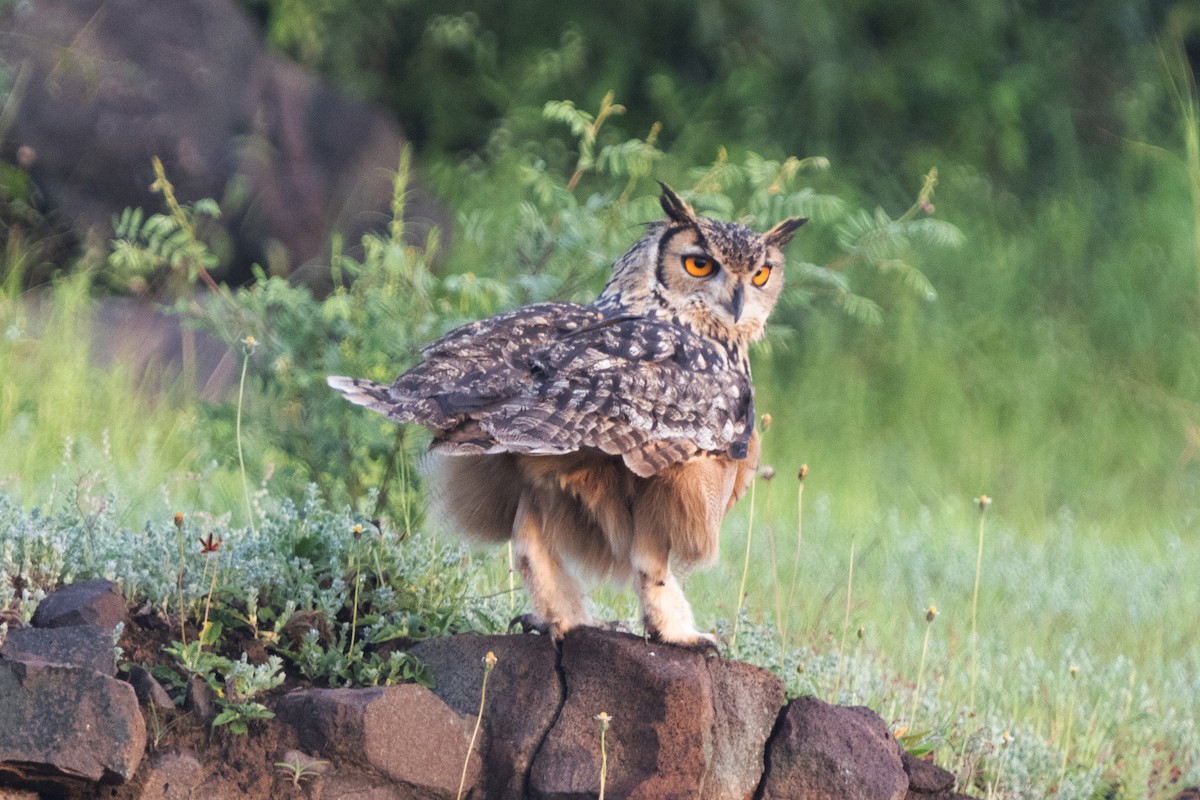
x=606, y=440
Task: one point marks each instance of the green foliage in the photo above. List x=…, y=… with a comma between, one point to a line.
x=145, y=245
x=234, y=684
x=298, y=557
x=300, y=767
x=148, y=247
x=340, y=665
x=382, y=309
x=1031, y=93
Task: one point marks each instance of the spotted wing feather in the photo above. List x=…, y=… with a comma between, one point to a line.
x=554, y=378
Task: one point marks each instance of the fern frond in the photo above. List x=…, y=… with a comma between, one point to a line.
x=936, y=232
x=632, y=158
x=860, y=308
x=564, y=111
x=811, y=274
x=910, y=276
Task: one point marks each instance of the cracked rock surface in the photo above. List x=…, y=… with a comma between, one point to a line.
x=682, y=721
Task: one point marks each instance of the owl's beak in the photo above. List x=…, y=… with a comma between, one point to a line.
x=738, y=301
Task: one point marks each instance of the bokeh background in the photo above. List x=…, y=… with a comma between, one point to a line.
x=998, y=294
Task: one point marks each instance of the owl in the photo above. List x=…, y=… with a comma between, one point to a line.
x=607, y=440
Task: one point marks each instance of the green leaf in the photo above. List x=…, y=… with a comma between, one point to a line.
x=225, y=717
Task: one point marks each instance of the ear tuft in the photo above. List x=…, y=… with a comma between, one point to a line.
x=675, y=206
x=782, y=233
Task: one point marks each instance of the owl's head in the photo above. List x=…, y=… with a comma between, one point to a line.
x=720, y=278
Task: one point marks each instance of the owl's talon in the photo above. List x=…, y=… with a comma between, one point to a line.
x=529, y=623
x=704, y=643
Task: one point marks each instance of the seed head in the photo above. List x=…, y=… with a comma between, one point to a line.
x=766, y=472
x=803, y=471
x=765, y=422
x=1074, y=670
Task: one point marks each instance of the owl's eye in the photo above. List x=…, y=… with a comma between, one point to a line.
x=699, y=266
x=761, y=277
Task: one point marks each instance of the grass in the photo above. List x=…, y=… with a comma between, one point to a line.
x=1048, y=602
x=67, y=422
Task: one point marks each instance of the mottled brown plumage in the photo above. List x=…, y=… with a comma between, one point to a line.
x=610, y=438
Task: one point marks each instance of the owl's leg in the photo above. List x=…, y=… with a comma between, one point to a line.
x=555, y=594
x=666, y=612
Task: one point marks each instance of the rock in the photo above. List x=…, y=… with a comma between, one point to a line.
x=925, y=778
x=199, y=700
x=405, y=732
x=822, y=751
x=523, y=699
x=356, y=785
x=218, y=788
x=109, y=83
x=97, y=602
x=173, y=776
x=17, y=794
x=747, y=700
x=85, y=646
x=667, y=736
x=58, y=720
x=660, y=701
x=149, y=691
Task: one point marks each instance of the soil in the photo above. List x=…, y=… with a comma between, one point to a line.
x=235, y=765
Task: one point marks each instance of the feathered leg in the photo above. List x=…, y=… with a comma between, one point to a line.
x=665, y=610
x=555, y=594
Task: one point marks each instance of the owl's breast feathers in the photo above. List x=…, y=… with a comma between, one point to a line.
x=555, y=378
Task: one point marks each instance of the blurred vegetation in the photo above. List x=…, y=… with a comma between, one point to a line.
x=1059, y=367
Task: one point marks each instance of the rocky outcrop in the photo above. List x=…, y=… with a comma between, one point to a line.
x=89, y=647
x=670, y=734
x=826, y=752
x=100, y=86
x=683, y=724
x=926, y=780
x=97, y=602
x=62, y=714
x=524, y=696
x=397, y=739
x=69, y=721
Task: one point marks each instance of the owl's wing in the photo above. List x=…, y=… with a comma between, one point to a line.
x=469, y=370
x=647, y=390
x=554, y=378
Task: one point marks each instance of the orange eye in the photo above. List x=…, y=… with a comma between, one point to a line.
x=762, y=276
x=699, y=266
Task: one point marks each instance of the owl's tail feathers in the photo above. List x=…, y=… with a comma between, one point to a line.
x=374, y=396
